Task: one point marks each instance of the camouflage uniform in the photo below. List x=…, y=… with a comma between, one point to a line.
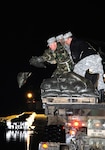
x=59, y=57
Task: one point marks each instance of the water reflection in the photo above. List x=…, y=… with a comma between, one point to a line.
x=11, y=139
x=22, y=137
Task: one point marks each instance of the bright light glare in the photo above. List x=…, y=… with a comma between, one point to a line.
x=72, y=132
x=76, y=124
x=29, y=95
x=45, y=145
x=97, y=124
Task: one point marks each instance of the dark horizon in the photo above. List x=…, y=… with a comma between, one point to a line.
x=24, y=35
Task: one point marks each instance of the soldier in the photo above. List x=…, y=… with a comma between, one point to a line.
x=55, y=54
x=60, y=39
x=85, y=58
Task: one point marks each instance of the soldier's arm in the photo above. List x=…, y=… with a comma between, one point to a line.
x=41, y=60
x=48, y=57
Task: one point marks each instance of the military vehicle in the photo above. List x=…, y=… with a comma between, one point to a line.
x=75, y=111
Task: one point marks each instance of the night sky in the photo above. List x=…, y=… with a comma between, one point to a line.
x=24, y=31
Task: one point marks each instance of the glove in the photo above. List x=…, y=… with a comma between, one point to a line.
x=37, y=62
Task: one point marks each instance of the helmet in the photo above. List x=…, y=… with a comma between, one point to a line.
x=51, y=40
x=59, y=37
x=67, y=35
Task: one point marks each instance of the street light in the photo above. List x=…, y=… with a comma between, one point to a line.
x=29, y=95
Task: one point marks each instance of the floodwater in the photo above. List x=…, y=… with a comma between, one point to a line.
x=19, y=139
x=23, y=139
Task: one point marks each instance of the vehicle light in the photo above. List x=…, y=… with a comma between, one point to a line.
x=76, y=124
x=45, y=146
x=72, y=132
x=97, y=124
x=69, y=124
x=83, y=124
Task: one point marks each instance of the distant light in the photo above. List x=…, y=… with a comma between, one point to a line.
x=29, y=95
